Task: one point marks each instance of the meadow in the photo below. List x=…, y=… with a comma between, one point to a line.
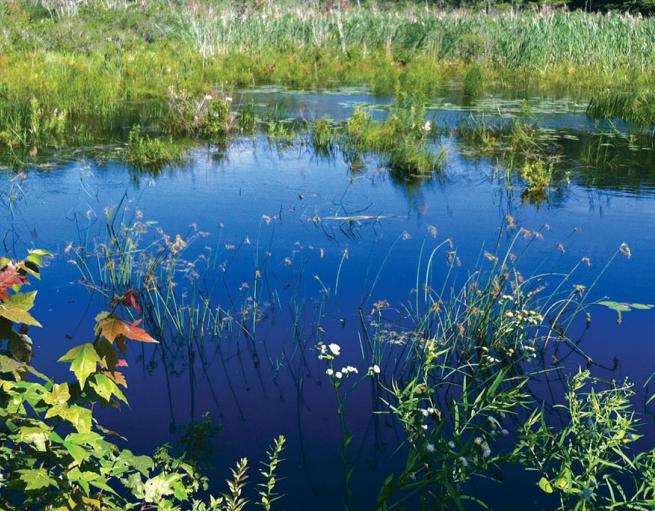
x=286, y=255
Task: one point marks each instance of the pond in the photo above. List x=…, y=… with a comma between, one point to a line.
x=304, y=247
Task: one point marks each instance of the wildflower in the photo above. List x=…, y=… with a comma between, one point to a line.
x=430, y=447
x=350, y=369
x=335, y=349
x=329, y=372
x=338, y=375
x=451, y=444
x=427, y=127
x=374, y=369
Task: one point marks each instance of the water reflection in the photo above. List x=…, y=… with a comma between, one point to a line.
x=299, y=248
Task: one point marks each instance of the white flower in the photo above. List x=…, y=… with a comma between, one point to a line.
x=430, y=447
x=427, y=126
x=338, y=375
x=374, y=369
x=335, y=349
x=329, y=372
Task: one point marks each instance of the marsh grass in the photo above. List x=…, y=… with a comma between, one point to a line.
x=636, y=107
x=150, y=153
x=519, y=148
x=88, y=88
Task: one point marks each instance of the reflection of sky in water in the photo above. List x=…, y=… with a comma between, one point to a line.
x=283, y=395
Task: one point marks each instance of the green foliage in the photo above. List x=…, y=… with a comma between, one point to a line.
x=403, y=138
x=588, y=462
x=53, y=452
x=155, y=153
x=64, y=80
x=473, y=82
x=636, y=107
x=323, y=136
x=519, y=148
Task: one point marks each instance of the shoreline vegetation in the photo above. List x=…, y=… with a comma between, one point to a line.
x=82, y=73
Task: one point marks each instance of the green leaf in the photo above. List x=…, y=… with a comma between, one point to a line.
x=78, y=453
x=59, y=394
x=36, y=478
x=24, y=301
x=17, y=314
x=9, y=365
x=104, y=387
x=34, y=435
x=615, y=306
x=84, y=361
x=545, y=485
x=79, y=417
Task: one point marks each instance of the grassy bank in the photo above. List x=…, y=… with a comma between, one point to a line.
x=74, y=73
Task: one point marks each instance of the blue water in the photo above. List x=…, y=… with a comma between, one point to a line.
x=275, y=385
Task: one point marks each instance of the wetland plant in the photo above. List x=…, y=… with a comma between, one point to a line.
x=146, y=152
x=636, y=107
x=473, y=85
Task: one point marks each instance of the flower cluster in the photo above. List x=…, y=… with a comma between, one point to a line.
x=345, y=371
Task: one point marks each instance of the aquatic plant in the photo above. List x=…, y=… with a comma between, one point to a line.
x=473, y=83
x=588, y=463
x=519, y=148
x=323, y=136
x=403, y=139
x=89, y=87
x=635, y=106
x=152, y=153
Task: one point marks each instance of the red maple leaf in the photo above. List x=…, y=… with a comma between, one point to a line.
x=9, y=277
x=131, y=299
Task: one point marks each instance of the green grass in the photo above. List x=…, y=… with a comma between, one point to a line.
x=95, y=69
x=636, y=107
x=151, y=153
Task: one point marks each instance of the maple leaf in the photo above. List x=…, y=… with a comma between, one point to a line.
x=84, y=360
x=131, y=299
x=9, y=277
x=112, y=327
